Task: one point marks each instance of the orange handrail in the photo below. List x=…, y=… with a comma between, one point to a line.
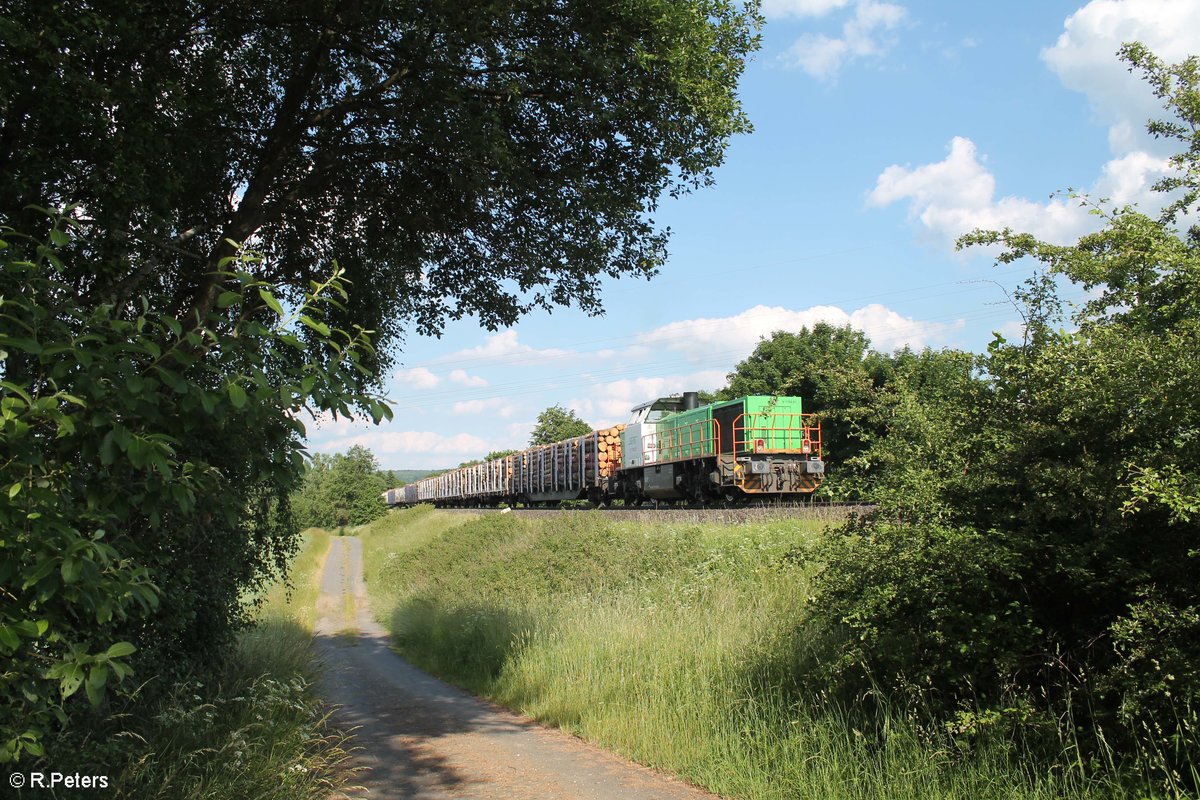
x=798, y=433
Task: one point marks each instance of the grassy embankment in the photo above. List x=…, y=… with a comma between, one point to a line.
x=670, y=643
x=257, y=730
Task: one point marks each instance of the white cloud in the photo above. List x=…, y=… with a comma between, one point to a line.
x=958, y=194
x=862, y=36
x=505, y=347
x=1130, y=178
x=325, y=425
x=517, y=434
x=773, y=9
x=461, y=377
x=411, y=443
x=609, y=402
x=1084, y=59
x=730, y=339
x=493, y=406
x=417, y=378
x=1013, y=331
x=817, y=54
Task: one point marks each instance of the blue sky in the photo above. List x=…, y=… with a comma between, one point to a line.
x=883, y=130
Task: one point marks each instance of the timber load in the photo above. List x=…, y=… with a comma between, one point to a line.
x=570, y=468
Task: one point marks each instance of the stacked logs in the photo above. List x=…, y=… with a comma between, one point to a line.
x=608, y=443
x=557, y=466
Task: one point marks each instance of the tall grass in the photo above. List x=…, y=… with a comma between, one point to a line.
x=253, y=730
x=672, y=644
x=401, y=531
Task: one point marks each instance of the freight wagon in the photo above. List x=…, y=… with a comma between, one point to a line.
x=673, y=449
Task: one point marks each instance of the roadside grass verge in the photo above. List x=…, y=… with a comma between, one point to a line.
x=401, y=530
x=255, y=729
x=673, y=644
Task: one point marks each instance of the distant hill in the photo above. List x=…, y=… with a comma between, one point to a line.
x=410, y=475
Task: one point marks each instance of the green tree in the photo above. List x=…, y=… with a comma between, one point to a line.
x=354, y=487
x=456, y=162
x=912, y=432
x=556, y=424
x=498, y=454
x=308, y=501
x=144, y=481
x=834, y=371
x=1050, y=572
x=803, y=364
x=341, y=489
x=154, y=371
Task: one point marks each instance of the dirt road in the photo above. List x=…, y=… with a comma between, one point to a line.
x=421, y=738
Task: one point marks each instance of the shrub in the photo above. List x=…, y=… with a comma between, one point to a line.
x=143, y=491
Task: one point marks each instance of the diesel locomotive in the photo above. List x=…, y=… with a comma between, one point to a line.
x=673, y=449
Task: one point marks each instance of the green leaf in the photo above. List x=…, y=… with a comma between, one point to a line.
x=136, y=450
x=97, y=678
x=59, y=238
x=45, y=567
x=9, y=638
x=237, y=395
x=108, y=449
x=120, y=650
x=72, y=678
x=70, y=569
x=12, y=490
x=270, y=300
x=17, y=390
x=160, y=464
x=226, y=299
x=319, y=327
x=27, y=628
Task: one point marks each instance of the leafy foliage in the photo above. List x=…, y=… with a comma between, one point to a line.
x=910, y=436
x=859, y=395
x=556, y=424
x=153, y=370
x=456, y=162
x=145, y=474
x=1049, y=565
x=342, y=489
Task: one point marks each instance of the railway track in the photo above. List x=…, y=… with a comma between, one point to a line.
x=692, y=513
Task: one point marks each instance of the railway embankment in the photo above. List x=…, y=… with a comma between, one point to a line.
x=672, y=642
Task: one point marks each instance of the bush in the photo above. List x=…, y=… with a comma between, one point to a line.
x=919, y=608
x=1048, y=571
x=143, y=494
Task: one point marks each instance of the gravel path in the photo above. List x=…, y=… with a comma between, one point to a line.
x=422, y=738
